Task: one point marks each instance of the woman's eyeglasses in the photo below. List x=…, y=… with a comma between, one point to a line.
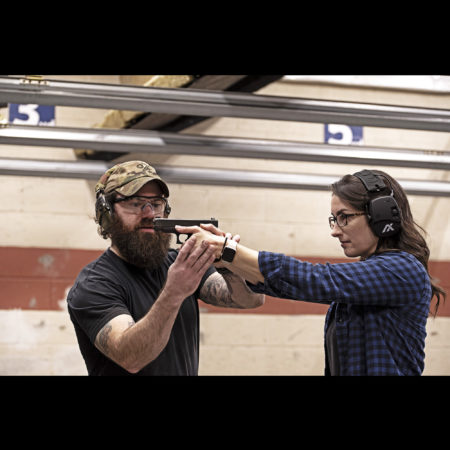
x=341, y=219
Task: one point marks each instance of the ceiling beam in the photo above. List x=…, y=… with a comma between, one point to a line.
x=139, y=141
x=92, y=170
x=223, y=104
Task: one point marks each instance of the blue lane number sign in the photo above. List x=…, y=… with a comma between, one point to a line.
x=43, y=115
x=343, y=134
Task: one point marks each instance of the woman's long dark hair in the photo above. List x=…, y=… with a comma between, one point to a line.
x=411, y=236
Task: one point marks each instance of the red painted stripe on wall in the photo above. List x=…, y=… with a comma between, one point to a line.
x=38, y=279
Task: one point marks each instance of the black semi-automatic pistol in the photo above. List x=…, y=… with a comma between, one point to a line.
x=168, y=225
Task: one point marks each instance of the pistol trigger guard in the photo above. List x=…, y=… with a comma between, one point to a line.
x=179, y=240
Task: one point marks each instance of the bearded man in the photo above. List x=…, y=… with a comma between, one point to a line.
x=135, y=308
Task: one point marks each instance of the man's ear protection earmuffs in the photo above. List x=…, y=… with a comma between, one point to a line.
x=383, y=212
x=103, y=211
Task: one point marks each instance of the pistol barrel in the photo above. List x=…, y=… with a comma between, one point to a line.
x=168, y=225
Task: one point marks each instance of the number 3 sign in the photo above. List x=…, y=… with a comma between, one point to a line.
x=32, y=114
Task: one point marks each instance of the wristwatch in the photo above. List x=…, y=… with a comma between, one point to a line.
x=229, y=250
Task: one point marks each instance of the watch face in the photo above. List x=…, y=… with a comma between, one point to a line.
x=228, y=254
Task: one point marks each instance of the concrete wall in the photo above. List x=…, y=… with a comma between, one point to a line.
x=44, y=343
x=57, y=214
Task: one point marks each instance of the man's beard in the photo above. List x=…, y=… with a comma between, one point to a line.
x=145, y=250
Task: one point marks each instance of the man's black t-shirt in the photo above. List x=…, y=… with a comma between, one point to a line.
x=108, y=287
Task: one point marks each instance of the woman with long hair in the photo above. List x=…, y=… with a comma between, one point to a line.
x=379, y=304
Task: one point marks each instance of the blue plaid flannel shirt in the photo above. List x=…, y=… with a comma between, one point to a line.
x=381, y=306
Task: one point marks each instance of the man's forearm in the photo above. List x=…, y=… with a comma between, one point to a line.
x=146, y=339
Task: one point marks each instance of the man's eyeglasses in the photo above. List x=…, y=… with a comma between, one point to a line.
x=341, y=219
x=136, y=204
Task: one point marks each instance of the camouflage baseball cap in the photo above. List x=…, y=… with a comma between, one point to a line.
x=128, y=177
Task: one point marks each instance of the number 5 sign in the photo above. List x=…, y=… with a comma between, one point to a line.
x=31, y=114
x=343, y=134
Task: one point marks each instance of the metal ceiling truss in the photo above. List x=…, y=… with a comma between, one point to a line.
x=184, y=144
x=219, y=103
x=210, y=104
x=92, y=170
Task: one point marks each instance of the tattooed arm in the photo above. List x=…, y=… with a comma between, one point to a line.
x=134, y=345
x=229, y=290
